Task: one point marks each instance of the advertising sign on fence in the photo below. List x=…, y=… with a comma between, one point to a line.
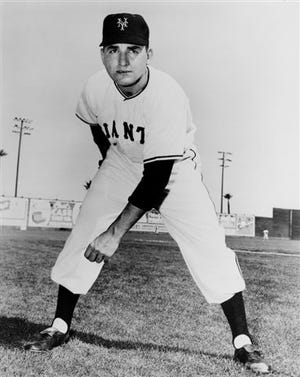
x=238, y=225
x=154, y=217
x=13, y=211
x=245, y=225
x=53, y=213
x=228, y=221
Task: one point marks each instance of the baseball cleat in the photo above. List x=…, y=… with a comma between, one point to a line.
x=252, y=359
x=46, y=340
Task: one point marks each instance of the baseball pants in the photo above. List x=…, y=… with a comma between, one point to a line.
x=188, y=214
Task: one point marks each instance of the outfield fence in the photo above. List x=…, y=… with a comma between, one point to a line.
x=54, y=213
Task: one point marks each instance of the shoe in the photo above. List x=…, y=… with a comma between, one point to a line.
x=46, y=340
x=252, y=359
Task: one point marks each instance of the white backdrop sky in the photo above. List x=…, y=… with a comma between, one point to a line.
x=237, y=61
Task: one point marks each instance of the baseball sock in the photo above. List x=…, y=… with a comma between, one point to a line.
x=66, y=302
x=234, y=310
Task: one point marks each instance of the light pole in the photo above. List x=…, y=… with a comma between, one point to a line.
x=20, y=129
x=223, y=165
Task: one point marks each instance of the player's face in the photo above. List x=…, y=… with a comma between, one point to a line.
x=125, y=63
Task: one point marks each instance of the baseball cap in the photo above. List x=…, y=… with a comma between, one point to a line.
x=125, y=28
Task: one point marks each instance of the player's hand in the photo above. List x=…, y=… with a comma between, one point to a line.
x=102, y=248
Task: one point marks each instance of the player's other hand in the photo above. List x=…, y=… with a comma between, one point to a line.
x=102, y=248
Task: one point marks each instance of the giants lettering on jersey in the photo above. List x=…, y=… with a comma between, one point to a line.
x=129, y=132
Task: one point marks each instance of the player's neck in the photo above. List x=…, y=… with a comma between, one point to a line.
x=135, y=88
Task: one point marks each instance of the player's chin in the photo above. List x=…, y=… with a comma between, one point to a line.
x=124, y=80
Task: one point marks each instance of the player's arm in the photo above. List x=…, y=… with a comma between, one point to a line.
x=149, y=193
x=86, y=111
x=100, y=140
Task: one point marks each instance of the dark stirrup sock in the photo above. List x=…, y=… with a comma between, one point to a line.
x=66, y=302
x=234, y=310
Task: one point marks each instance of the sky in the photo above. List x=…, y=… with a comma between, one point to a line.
x=238, y=63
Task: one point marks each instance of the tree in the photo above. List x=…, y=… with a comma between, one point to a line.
x=2, y=153
x=87, y=184
x=228, y=197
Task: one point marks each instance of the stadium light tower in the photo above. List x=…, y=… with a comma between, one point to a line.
x=223, y=165
x=20, y=129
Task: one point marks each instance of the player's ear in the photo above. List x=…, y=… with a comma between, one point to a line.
x=101, y=53
x=149, y=53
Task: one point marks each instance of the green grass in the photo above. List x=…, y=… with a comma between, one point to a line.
x=144, y=316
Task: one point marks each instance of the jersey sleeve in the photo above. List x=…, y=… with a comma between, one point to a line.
x=85, y=110
x=166, y=130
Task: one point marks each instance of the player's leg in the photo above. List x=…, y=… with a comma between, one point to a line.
x=191, y=220
x=245, y=351
x=105, y=199
x=59, y=332
x=72, y=271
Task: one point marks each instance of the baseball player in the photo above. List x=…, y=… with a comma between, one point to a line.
x=140, y=119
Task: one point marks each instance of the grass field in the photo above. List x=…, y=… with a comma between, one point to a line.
x=144, y=316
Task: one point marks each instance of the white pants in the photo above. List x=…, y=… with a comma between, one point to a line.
x=188, y=214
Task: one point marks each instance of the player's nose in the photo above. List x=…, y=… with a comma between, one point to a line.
x=123, y=59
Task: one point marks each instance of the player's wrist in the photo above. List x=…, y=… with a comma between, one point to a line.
x=127, y=218
x=117, y=231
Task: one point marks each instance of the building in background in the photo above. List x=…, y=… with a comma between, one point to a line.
x=285, y=223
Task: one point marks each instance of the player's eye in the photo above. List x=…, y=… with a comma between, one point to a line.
x=135, y=51
x=111, y=50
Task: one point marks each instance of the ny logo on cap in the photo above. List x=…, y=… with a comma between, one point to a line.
x=122, y=24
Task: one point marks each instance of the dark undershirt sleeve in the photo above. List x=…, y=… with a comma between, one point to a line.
x=151, y=190
x=100, y=139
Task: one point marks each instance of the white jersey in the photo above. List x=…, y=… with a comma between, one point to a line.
x=156, y=124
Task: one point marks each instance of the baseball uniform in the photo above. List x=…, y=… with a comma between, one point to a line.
x=154, y=125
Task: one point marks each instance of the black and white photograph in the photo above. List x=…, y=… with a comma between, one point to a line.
x=149, y=188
